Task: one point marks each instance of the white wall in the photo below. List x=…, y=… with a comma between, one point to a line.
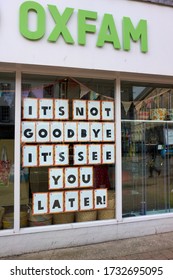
x=159, y=59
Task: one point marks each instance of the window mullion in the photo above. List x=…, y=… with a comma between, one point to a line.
x=118, y=151
x=17, y=153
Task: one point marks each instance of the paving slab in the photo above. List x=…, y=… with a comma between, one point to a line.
x=157, y=247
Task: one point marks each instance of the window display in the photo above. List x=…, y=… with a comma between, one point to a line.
x=68, y=146
x=67, y=170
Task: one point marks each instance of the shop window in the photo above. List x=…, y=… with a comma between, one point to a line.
x=147, y=148
x=68, y=149
x=7, y=101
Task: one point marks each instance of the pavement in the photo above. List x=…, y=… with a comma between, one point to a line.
x=152, y=247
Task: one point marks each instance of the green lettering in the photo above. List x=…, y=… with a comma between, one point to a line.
x=61, y=21
x=129, y=32
x=25, y=9
x=108, y=32
x=83, y=27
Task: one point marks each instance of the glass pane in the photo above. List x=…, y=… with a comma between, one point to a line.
x=68, y=153
x=7, y=114
x=146, y=149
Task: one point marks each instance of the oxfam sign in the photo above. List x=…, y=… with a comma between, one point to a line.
x=106, y=33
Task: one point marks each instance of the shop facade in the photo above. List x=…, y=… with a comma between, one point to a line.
x=86, y=128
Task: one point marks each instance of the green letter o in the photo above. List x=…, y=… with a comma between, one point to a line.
x=25, y=8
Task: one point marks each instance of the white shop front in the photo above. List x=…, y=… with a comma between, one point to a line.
x=86, y=122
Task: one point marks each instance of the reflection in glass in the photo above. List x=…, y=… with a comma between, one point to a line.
x=7, y=101
x=147, y=149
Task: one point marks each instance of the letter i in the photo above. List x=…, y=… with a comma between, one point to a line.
x=29, y=157
x=30, y=110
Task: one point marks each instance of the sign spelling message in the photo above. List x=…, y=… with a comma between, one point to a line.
x=69, y=149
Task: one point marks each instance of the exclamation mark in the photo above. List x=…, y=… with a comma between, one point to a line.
x=104, y=199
